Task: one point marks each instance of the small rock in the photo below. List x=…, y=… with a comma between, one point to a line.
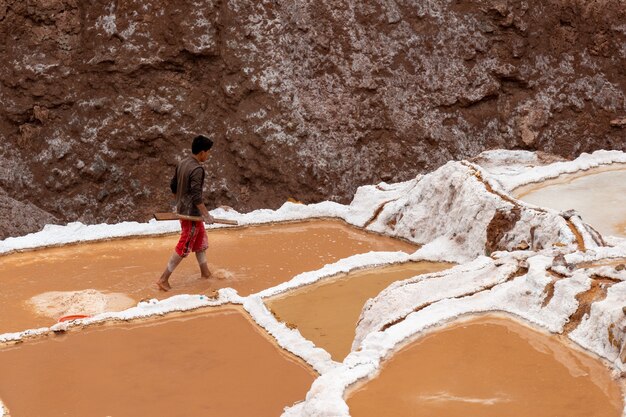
x=619, y=122
x=97, y=169
x=393, y=18
x=620, y=267
x=486, y=27
x=41, y=113
x=569, y=214
x=102, y=195
x=323, y=41
x=501, y=7
x=559, y=260
x=28, y=132
x=393, y=14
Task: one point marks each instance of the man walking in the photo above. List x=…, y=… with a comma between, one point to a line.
x=187, y=186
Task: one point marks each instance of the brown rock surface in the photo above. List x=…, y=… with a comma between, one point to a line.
x=306, y=99
x=18, y=217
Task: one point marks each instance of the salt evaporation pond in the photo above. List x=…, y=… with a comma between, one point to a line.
x=215, y=363
x=326, y=313
x=598, y=195
x=488, y=367
x=251, y=258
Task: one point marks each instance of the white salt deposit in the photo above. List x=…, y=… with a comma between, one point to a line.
x=56, y=304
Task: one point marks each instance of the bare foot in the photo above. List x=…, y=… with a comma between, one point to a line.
x=163, y=285
x=205, y=272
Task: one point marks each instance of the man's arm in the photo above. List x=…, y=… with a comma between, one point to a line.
x=205, y=214
x=196, y=180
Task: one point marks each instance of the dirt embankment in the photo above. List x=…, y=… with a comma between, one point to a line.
x=306, y=99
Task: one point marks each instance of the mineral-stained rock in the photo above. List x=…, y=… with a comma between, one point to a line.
x=502, y=221
x=305, y=99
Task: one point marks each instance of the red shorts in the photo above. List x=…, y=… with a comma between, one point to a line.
x=193, y=238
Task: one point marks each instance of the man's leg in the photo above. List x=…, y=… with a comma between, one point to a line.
x=200, y=245
x=163, y=282
x=188, y=234
x=204, y=265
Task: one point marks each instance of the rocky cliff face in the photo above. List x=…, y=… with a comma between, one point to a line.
x=305, y=99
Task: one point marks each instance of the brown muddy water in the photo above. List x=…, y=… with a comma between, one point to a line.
x=598, y=195
x=326, y=313
x=120, y=273
x=488, y=367
x=210, y=363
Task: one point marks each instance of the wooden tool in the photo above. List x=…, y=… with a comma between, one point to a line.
x=176, y=216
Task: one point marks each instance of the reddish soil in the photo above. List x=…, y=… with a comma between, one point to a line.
x=501, y=223
x=305, y=100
